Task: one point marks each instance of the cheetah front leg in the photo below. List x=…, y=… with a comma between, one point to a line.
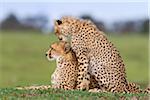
x=83, y=78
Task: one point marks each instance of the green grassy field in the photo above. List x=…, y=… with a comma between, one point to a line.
x=23, y=60
x=53, y=94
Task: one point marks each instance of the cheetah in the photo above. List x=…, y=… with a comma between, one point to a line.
x=65, y=74
x=95, y=54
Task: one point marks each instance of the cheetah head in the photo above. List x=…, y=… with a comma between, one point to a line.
x=65, y=27
x=57, y=50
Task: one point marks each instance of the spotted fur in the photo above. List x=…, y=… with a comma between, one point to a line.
x=95, y=54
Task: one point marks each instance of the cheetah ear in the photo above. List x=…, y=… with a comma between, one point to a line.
x=67, y=48
x=59, y=22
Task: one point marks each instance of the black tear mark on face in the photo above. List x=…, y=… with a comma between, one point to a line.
x=59, y=22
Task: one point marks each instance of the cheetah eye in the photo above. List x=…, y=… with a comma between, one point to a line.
x=59, y=22
x=51, y=48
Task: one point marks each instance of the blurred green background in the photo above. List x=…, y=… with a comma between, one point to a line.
x=26, y=32
x=23, y=60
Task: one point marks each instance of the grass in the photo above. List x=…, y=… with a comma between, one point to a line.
x=23, y=62
x=53, y=94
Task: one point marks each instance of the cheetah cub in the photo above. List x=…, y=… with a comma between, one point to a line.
x=65, y=74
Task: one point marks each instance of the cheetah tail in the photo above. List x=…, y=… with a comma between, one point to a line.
x=147, y=90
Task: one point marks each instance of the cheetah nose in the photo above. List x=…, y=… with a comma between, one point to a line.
x=46, y=54
x=60, y=39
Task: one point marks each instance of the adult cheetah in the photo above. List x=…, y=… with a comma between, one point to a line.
x=95, y=54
